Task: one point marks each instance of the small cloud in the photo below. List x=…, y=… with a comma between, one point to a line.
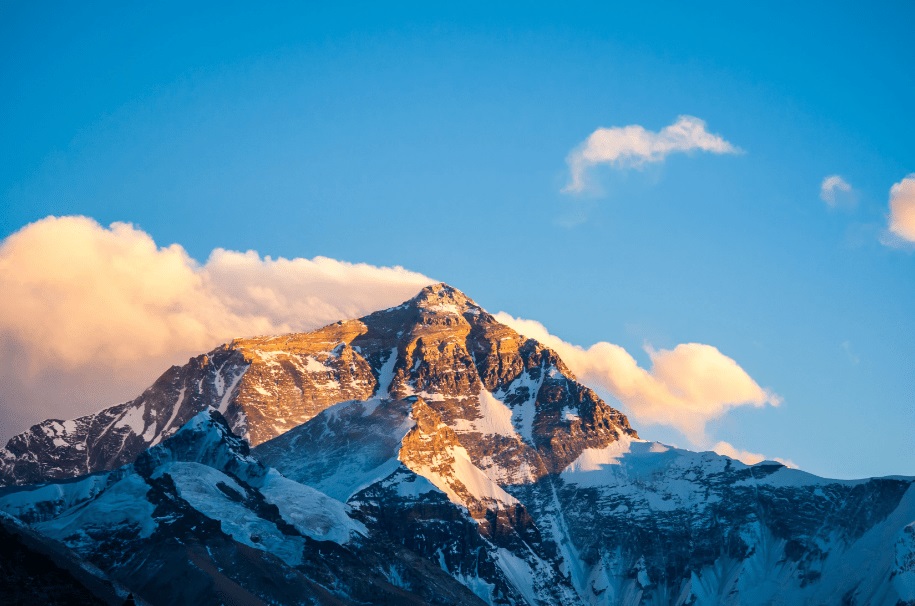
x=835, y=191
x=634, y=146
x=745, y=456
x=686, y=387
x=846, y=347
x=902, y=212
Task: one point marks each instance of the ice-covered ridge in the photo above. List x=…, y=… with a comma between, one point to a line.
x=123, y=505
x=311, y=512
x=219, y=497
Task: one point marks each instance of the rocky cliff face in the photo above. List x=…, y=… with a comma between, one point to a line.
x=428, y=454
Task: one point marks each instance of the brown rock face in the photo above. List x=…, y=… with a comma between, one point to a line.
x=292, y=378
x=510, y=401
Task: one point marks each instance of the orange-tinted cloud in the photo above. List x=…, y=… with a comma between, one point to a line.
x=91, y=315
x=902, y=209
x=686, y=387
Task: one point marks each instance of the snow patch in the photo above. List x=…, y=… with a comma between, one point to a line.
x=594, y=459
x=262, y=391
x=224, y=402
x=171, y=419
x=386, y=375
x=133, y=419
x=446, y=308
x=313, y=365
x=52, y=498
x=497, y=417
x=523, y=414
x=481, y=588
x=414, y=487
x=150, y=432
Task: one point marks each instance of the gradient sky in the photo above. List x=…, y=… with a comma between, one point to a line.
x=438, y=141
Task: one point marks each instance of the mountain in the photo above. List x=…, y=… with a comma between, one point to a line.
x=428, y=454
x=439, y=343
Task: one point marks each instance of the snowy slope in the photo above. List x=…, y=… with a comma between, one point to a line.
x=199, y=507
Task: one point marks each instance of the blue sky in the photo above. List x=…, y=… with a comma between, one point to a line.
x=438, y=141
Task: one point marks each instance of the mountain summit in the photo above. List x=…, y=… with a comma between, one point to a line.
x=427, y=453
x=479, y=375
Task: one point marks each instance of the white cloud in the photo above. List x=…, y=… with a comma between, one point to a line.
x=92, y=315
x=745, y=456
x=902, y=209
x=633, y=145
x=834, y=189
x=686, y=387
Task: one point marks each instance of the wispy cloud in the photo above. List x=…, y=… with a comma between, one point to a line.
x=745, y=456
x=852, y=356
x=835, y=190
x=687, y=386
x=902, y=212
x=633, y=146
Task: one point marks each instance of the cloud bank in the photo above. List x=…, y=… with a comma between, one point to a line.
x=90, y=315
x=834, y=189
x=902, y=209
x=633, y=145
x=686, y=387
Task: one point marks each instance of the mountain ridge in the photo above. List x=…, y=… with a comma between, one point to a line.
x=456, y=458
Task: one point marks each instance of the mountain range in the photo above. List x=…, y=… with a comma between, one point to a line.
x=423, y=454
